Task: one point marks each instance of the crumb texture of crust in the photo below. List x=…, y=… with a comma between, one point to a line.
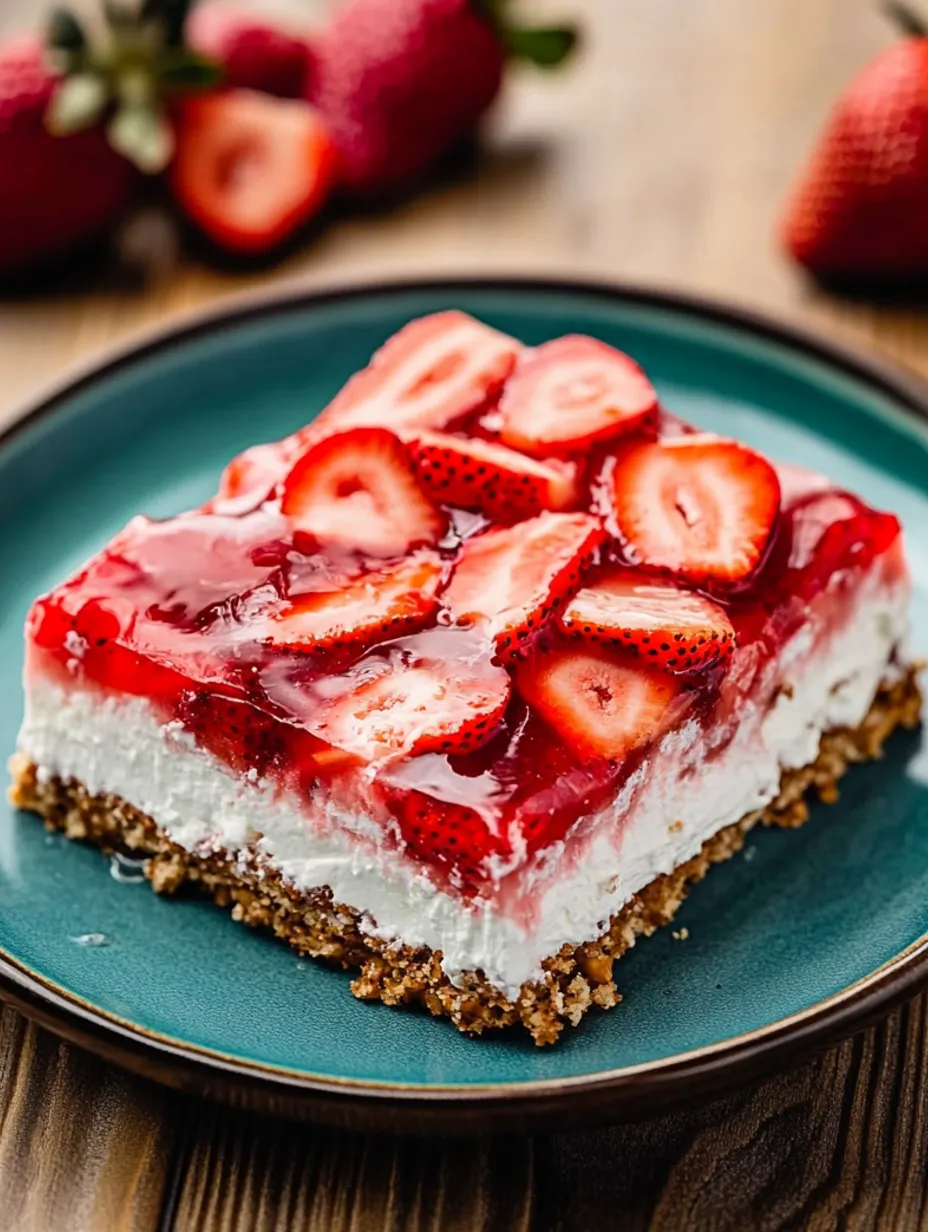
x=573, y=981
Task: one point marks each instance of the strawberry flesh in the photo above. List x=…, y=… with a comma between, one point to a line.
x=671, y=628
x=699, y=507
x=572, y=393
x=249, y=169
x=431, y=374
x=378, y=605
x=251, y=477
x=601, y=705
x=383, y=708
x=470, y=473
x=358, y=489
x=511, y=580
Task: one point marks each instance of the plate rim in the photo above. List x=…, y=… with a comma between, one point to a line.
x=360, y=1103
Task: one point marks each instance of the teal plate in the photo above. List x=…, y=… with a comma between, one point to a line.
x=806, y=935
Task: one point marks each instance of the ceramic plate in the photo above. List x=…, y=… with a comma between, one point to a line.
x=803, y=936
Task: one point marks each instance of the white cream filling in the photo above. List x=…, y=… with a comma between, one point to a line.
x=674, y=803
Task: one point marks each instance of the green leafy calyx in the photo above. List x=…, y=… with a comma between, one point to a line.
x=126, y=76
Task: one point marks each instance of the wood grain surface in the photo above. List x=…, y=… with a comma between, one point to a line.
x=662, y=156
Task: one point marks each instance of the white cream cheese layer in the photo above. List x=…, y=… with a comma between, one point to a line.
x=676, y=800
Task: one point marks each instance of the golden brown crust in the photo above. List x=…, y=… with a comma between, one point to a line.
x=574, y=979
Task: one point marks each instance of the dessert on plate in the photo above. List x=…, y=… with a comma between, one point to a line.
x=463, y=684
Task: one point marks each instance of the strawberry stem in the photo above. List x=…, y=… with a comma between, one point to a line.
x=545, y=47
x=908, y=21
x=125, y=79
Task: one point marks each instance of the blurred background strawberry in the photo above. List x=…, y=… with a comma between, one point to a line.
x=56, y=191
x=400, y=83
x=253, y=53
x=861, y=208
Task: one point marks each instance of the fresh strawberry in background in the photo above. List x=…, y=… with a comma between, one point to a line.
x=400, y=82
x=253, y=54
x=56, y=193
x=79, y=120
x=861, y=209
x=250, y=169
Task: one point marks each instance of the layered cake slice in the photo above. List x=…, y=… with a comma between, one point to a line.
x=464, y=683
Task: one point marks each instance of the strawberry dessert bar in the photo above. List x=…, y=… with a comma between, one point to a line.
x=463, y=684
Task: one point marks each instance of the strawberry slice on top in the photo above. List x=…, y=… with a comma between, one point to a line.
x=511, y=580
x=384, y=709
x=599, y=704
x=380, y=604
x=432, y=373
x=700, y=506
x=470, y=473
x=357, y=489
x=671, y=628
x=572, y=393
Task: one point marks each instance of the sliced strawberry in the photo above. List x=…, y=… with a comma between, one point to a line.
x=382, y=709
x=358, y=489
x=381, y=604
x=600, y=705
x=430, y=374
x=701, y=507
x=249, y=169
x=476, y=474
x=674, y=629
x=251, y=477
x=514, y=578
x=572, y=392
x=450, y=837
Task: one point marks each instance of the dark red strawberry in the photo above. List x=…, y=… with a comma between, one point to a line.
x=470, y=473
x=570, y=394
x=602, y=706
x=430, y=374
x=358, y=489
x=861, y=207
x=673, y=629
x=56, y=192
x=402, y=82
x=254, y=55
x=511, y=580
x=381, y=604
x=250, y=170
x=700, y=507
x=383, y=709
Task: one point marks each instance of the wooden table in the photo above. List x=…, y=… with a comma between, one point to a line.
x=662, y=157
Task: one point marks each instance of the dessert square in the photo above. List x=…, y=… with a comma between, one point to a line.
x=467, y=681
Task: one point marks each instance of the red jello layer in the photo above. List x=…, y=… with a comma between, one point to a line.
x=177, y=612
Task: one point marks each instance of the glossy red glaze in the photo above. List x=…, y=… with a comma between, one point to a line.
x=174, y=612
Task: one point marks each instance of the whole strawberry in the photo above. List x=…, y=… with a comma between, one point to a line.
x=254, y=55
x=861, y=210
x=55, y=192
x=79, y=119
x=399, y=82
